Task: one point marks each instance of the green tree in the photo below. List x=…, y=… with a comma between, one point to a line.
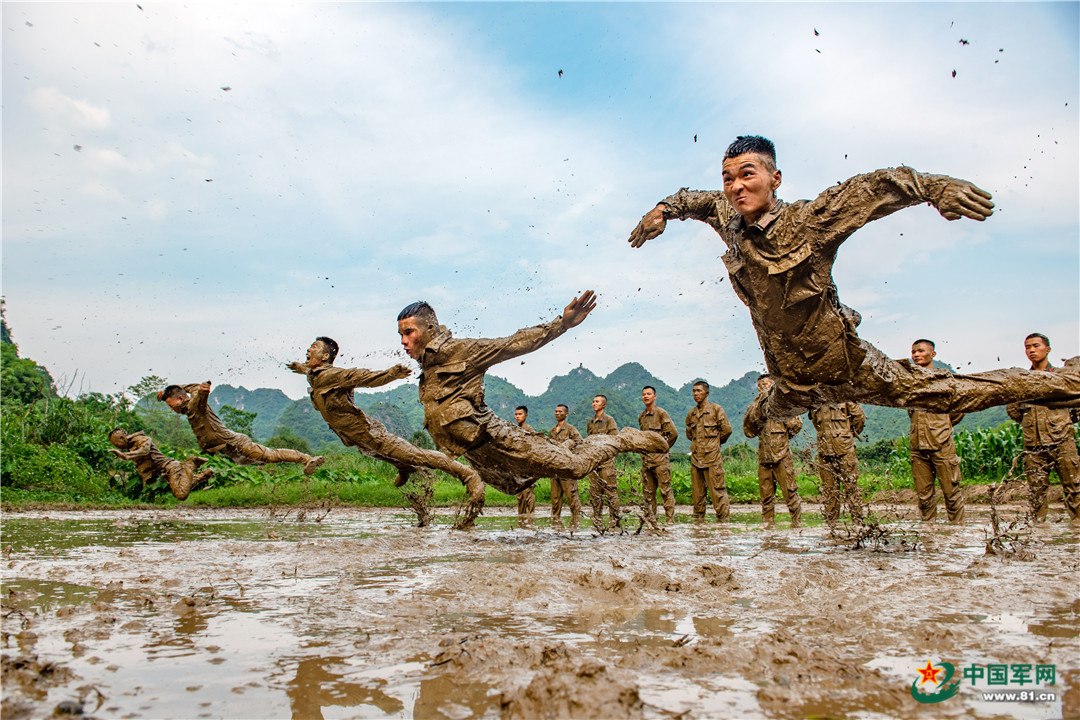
x=286, y=437
x=237, y=420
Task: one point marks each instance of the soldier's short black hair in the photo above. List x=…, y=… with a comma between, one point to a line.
x=560, y=405
x=419, y=309
x=331, y=346
x=649, y=387
x=753, y=144
x=701, y=383
x=1042, y=337
x=924, y=341
x=522, y=408
x=172, y=391
x=600, y=395
x=762, y=376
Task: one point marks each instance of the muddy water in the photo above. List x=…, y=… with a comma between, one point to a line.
x=192, y=613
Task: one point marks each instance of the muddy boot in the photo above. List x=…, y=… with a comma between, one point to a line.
x=313, y=464
x=634, y=440
x=474, y=488
x=402, y=476
x=181, y=482
x=201, y=477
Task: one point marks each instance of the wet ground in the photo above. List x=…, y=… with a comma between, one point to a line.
x=234, y=613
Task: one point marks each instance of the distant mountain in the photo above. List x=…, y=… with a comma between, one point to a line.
x=400, y=409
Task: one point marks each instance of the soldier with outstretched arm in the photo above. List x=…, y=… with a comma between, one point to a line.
x=460, y=422
x=780, y=257
x=332, y=395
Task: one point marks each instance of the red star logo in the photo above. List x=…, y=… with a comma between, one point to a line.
x=929, y=673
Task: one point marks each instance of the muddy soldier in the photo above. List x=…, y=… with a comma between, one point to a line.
x=458, y=420
x=526, y=499
x=566, y=434
x=151, y=463
x=933, y=451
x=656, y=466
x=780, y=257
x=1049, y=440
x=193, y=401
x=775, y=469
x=604, y=481
x=707, y=428
x=837, y=425
x=331, y=391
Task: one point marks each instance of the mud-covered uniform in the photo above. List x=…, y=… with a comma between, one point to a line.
x=837, y=425
x=458, y=420
x=526, y=499
x=568, y=489
x=656, y=466
x=604, y=481
x=775, y=469
x=214, y=437
x=933, y=454
x=707, y=428
x=332, y=395
x=781, y=268
x=1049, y=444
x=151, y=463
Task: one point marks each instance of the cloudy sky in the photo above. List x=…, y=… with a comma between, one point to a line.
x=197, y=191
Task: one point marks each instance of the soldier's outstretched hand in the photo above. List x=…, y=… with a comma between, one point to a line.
x=651, y=225
x=401, y=371
x=963, y=199
x=578, y=309
x=298, y=367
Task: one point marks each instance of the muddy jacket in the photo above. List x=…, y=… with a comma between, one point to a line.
x=604, y=426
x=149, y=461
x=527, y=427
x=931, y=431
x=774, y=444
x=707, y=428
x=211, y=433
x=332, y=395
x=1043, y=427
x=658, y=421
x=781, y=266
x=452, y=382
x=566, y=432
x=837, y=426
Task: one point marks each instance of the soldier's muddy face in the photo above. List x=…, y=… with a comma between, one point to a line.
x=648, y=396
x=177, y=403
x=520, y=416
x=922, y=354
x=700, y=393
x=317, y=355
x=764, y=383
x=749, y=185
x=414, y=338
x=598, y=403
x=1036, y=350
x=119, y=439
x=561, y=413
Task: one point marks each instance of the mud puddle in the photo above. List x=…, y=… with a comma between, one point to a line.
x=237, y=614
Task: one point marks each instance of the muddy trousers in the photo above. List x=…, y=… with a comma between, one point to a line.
x=945, y=466
x=1038, y=462
x=658, y=476
x=880, y=380
x=604, y=487
x=709, y=480
x=567, y=489
x=840, y=482
x=779, y=475
x=526, y=506
x=182, y=478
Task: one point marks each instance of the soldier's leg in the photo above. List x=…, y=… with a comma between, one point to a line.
x=663, y=478
x=789, y=485
x=259, y=454
x=556, y=502
x=1037, y=469
x=922, y=477
x=849, y=480
x=1068, y=468
x=596, y=499
x=827, y=467
x=179, y=475
x=947, y=469
x=526, y=506
x=611, y=491
x=648, y=486
x=767, y=490
x=573, y=499
x=717, y=484
x=698, y=490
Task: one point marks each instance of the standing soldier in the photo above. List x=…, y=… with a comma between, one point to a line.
x=656, y=466
x=1049, y=440
x=527, y=497
x=565, y=434
x=151, y=463
x=707, y=428
x=775, y=468
x=603, y=482
x=933, y=452
x=837, y=425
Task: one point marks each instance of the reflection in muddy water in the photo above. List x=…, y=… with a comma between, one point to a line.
x=193, y=613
